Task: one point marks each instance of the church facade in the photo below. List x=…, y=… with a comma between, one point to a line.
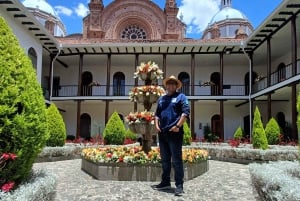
x=225, y=74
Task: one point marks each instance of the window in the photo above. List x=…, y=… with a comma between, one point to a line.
x=119, y=84
x=185, y=80
x=133, y=32
x=86, y=80
x=33, y=57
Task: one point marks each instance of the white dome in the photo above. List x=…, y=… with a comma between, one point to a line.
x=41, y=5
x=228, y=13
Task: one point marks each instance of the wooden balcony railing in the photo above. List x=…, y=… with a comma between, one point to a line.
x=199, y=90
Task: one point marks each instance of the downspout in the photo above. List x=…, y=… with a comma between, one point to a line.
x=52, y=66
x=250, y=88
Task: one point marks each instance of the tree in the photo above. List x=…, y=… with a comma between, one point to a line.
x=23, y=128
x=114, y=131
x=238, y=134
x=187, y=135
x=272, y=131
x=56, y=126
x=259, y=139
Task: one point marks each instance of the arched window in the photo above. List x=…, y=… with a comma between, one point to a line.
x=33, y=57
x=85, y=126
x=119, y=84
x=185, y=79
x=281, y=70
x=133, y=32
x=215, y=87
x=86, y=80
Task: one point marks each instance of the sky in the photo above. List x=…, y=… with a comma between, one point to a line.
x=196, y=13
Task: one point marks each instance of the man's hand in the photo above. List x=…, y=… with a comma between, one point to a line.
x=174, y=129
x=157, y=128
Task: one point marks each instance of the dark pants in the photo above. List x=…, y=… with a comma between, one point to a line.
x=170, y=145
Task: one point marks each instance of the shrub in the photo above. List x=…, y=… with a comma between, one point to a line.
x=238, y=134
x=272, y=131
x=259, y=139
x=130, y=135
x=114, y=131
x=276, y=180
x=187, y=135
x=23, y=128
x=208, y=136
x=56, y=127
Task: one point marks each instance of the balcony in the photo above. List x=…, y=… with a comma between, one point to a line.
x=68, y=91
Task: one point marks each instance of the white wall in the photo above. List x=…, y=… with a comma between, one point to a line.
x=26, y=41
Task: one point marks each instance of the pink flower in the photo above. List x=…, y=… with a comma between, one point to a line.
x=5, y=156
x=12, y=156
x=8, y=186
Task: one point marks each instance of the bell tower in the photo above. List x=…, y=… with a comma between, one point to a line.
x=93, y=22
x=171, y=11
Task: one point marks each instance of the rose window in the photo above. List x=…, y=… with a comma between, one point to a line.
x=133, y=32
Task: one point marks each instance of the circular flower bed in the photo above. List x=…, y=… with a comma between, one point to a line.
x=135, y=155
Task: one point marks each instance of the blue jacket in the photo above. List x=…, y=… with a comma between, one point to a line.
x=169, y=110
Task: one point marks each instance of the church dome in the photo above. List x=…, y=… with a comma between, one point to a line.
x=228, y=13
x=41, y=5
x=228, y=23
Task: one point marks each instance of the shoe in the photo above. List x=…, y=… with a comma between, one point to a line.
x=179, y=190
x=162, y=186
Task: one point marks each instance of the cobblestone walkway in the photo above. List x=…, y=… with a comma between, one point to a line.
x=223, y=182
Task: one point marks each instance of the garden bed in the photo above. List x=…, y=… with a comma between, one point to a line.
x=39, y=186
x=138, y=172
x=276, y=181
x=245, y=154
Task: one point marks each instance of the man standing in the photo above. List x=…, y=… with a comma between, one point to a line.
x=172, y=111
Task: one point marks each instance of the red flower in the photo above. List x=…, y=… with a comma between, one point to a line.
x=121, y=159
x=5, y=156
x=12, y=156
x=8, y=186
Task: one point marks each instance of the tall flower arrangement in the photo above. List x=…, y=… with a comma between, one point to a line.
x=138, y=94
x=143, y=122
x=148, y=70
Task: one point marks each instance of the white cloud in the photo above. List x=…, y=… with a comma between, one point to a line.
x=63, y=10
x=198, y=13
x=81, y=10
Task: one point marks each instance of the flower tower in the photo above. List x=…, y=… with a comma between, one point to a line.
x=143, y=122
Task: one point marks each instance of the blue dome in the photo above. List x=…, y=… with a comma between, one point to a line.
x=228, y=13
x=41, y=5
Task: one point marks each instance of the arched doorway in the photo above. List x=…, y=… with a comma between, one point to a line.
x=284, y=128
x=246, y=79
x=215, y=87
x=281, y=70
x=185, y=79
x=216, y=125
x=86, y=80
x=85, y=126
x=119, y=84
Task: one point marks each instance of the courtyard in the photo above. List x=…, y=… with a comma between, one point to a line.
x=223, y=181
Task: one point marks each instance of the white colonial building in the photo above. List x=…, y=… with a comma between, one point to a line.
x=227, y=73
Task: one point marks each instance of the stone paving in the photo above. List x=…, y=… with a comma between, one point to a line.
x=223, y=182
